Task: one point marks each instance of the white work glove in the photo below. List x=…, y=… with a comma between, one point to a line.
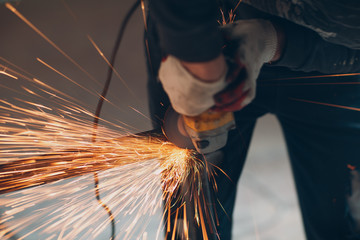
x=257, y=42
x=188, y=95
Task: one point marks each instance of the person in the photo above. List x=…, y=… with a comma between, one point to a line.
x=292, y=59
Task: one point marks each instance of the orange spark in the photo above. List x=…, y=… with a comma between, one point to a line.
x=186, y=227
x=15, y=66
x=109, y=64
x=33, y=27
x=64, y=76
x=311, y=84
x=327, y=104
x=73, y=15
x=316, y=76
x=231, y=14
x=202, y=221
x=16, y=73
x=38, y=147
x=144, y=14
x=8, y=74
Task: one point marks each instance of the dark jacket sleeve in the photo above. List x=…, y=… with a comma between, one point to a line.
x=188, y=29
x=306, y=51
x=335, y=21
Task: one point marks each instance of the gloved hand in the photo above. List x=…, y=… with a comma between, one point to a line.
x=188, y=94
x=257, y=42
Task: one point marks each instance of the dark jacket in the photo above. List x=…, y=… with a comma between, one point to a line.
x=321, y=36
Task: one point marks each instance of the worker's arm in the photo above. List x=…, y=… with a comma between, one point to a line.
x=335, y=21
x=306, y=51
x=188, y=29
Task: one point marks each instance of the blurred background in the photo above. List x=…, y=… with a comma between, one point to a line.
x=266, y=208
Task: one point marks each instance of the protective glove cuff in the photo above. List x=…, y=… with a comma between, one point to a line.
x=271, y=41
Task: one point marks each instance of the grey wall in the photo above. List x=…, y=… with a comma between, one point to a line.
x=98, y=19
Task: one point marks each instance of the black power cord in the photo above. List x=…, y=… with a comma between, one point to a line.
x=100, y=104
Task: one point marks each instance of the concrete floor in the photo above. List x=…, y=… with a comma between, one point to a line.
x=266, y=206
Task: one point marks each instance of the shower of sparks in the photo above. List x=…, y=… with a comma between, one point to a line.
x=47, y=154
x=67, y=210
x=41, y=144
x=64, y=76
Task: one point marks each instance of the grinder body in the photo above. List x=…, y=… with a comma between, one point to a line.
x=207, y=132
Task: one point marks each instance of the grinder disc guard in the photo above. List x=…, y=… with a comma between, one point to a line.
x=172, y=122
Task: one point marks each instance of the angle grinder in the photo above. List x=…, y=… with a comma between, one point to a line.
x=207, y=132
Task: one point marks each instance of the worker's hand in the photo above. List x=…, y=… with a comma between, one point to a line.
x=250, y=44
x=191, y=86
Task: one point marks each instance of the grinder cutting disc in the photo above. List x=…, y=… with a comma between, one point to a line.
x=172, y=123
